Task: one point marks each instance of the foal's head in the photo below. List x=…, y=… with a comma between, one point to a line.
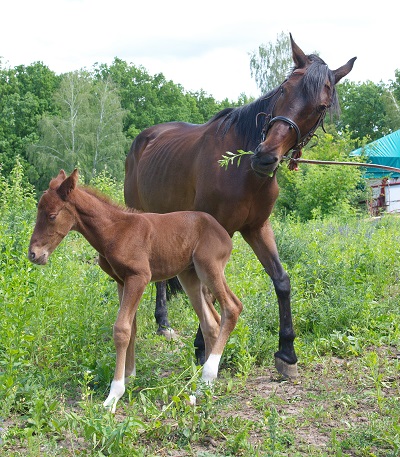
x=54, y=218
x=299, y=106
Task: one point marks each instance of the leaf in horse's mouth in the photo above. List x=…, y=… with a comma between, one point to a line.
x=230, y=157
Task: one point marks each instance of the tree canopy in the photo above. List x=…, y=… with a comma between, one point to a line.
x=89, y=117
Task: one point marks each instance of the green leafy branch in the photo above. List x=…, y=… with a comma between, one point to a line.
x=230, y=157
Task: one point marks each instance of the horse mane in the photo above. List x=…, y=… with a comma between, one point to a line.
x=107, y=200
x=244, y=118
x=314, y=80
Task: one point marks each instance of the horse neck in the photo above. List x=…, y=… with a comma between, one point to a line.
x=94, y=217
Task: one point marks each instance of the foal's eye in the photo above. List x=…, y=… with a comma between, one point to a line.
x=52, y=217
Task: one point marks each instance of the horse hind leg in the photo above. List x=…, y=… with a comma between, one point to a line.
x=231, y=307
x=161, y=312
x=199, y=344
x=207, y=314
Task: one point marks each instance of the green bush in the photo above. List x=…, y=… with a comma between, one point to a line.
x=319, y=190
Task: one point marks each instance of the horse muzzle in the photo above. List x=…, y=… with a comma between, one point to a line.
x=264, y=165
x=37, y=257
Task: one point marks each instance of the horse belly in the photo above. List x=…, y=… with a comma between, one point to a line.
x=165, y=192
x=164, y=175
x=180, y=237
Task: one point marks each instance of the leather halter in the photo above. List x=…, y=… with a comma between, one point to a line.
x=301, y=140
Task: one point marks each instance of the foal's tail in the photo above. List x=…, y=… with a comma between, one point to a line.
x=173, y=287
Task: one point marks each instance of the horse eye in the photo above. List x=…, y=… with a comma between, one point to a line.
x=322, y=108
x=52, y=217
x=263, y=136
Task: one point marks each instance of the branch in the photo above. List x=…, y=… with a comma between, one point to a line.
x=230, y=157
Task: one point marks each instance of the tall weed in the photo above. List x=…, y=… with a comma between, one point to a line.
x=57, y=354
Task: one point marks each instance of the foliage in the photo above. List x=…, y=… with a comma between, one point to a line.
x=86, y=131
x=391, y=99
x=108, y=185
x=150, y=100
x=115, y=102
x=87, y=117
x=57, y=353
x=270, y=65
x=316, y=190
x=26, y=93
x=364, y=110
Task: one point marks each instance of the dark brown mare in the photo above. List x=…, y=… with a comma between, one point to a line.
x=136, y=248
x=174, y=166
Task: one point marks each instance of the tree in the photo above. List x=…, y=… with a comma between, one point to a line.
x=26, y=93
x=364, y=110
x=110, y=142
x=151, y=100
x=86, y=132
x=271, y=64
x=392, y=101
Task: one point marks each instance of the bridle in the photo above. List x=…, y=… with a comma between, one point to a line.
x=301, y=140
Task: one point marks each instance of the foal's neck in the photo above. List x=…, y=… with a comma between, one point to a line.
x=95, y=218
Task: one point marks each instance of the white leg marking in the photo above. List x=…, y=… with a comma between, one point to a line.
x=116, y=392
x=210, y=369
x=210, y=373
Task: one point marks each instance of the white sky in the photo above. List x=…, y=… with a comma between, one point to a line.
x=200, y=45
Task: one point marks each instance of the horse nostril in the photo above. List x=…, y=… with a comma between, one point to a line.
x=31, y=255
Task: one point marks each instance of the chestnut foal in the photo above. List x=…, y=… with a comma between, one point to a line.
x=136, y=248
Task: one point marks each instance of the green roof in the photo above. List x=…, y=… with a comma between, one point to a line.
x=385, y=151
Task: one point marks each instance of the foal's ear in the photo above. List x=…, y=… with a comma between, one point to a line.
x=68, y=185
x=55, y=182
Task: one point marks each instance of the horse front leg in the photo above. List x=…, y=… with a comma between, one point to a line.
x=124, y=333
x=161, y=311
x=130, y=363
x=262, y=241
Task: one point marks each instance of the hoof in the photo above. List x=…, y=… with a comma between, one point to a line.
x=287, y=370
x=168, y=333
x=110, y=404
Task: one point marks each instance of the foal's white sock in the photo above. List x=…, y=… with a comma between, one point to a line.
x=116, y=391
x=210, y=368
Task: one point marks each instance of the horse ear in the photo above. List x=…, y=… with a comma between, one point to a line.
x=68, y=185
x=344, y=70
x=55, y=182
x=299, y=58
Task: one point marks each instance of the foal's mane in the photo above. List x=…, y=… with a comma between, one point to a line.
x=107, y=200
x=244, y=118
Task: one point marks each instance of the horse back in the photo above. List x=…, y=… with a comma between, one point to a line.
x=178, y=240
x=161, y=168
x=174, y=167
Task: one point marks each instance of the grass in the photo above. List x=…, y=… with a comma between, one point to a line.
x=57, y=355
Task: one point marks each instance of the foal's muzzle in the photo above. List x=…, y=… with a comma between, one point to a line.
x=38, y=258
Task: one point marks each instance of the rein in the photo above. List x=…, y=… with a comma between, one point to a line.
x=331, y=162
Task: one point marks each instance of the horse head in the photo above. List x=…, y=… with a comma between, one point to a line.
x=54, y=218
x=299, y=106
